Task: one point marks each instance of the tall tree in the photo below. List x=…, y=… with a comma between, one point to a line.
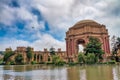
x=94, y=46
x=19, y=59
x=7, y=56
x=29, y=53
x=52, y=51
x=115, y=45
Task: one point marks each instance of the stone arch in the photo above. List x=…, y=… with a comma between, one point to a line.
x=81, y=31
x=79, y=42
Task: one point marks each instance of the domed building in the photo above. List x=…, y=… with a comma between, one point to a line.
x=80, y=33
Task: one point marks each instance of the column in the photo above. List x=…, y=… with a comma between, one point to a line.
x=108, y=47
x=67, y=47
x=36, y=57
x=39, y=58
x=104, y=45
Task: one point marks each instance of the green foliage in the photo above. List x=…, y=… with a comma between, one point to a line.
x=19, y=59
x=72, y=63
x=12, y=62
x=1, y=61
x=94, y=46
x=81, y=58
x=7, y=56
x=29, y=53
x=57, y=61
x=111, y=62
x=90, y=58
x=52, y=51
x=33, y=62
x=48, y=63
x=115, y=45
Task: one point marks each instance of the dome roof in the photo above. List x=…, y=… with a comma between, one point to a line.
x=85, y=22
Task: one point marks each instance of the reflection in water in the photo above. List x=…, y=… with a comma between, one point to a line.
x=101, y=72
x=115, y=77
x=73, y=73
x=34, y=72
x=43, y=72
x=116, y=73
x=83, y=74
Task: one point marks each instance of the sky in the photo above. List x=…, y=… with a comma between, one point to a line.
x=43, y=23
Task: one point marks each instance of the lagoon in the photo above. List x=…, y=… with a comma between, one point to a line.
x=50, y=72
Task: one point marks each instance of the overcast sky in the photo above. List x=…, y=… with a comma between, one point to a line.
x=43, y=23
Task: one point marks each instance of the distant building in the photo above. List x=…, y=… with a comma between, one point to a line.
x=38, y=56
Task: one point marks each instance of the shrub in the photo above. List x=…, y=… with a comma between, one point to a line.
x=57, y=60
x=81, y=58
x=12, y=62
x=60, y=62
x=72, y=63
x=112, y=62
x=48, y=63
x=7, y=56
x=90, y=58
x=33, y=62
x=19, y=59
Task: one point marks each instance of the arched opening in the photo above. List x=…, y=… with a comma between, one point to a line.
x=80, y=45
x=80, y=48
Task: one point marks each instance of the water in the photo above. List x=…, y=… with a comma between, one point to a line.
x=43, y=72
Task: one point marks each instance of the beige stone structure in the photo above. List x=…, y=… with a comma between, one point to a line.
x=80, y=33
x=38, y=56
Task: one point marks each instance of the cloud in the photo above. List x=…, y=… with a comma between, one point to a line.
x=7, y=15
x=13, y=43
x=45, y=41
x=59, y=16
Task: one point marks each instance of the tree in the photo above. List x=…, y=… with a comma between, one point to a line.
x=94, y=46
x=57, y=60
x=52, y=51
x=29, y=53
x=19, y=59
x=90, y=58
x=7, y=56
x=81, y=58
x=115, y=45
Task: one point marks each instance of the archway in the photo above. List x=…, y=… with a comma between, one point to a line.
x=80, y=45
x=80, y=48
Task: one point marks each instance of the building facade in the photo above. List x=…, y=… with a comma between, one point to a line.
x=38, y=56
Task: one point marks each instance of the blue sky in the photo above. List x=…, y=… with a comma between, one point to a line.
x=43, y=23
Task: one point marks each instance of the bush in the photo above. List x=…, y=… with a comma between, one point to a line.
x=60, y=63
x=72, y=63
x=57, y=60
x=112, y=62
x=33, y=62
x=81, y=58
x=19, y=59
x=48, y=63
x=7, y=56
x=12, y=62
x=90, y=58
x=1, y=61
